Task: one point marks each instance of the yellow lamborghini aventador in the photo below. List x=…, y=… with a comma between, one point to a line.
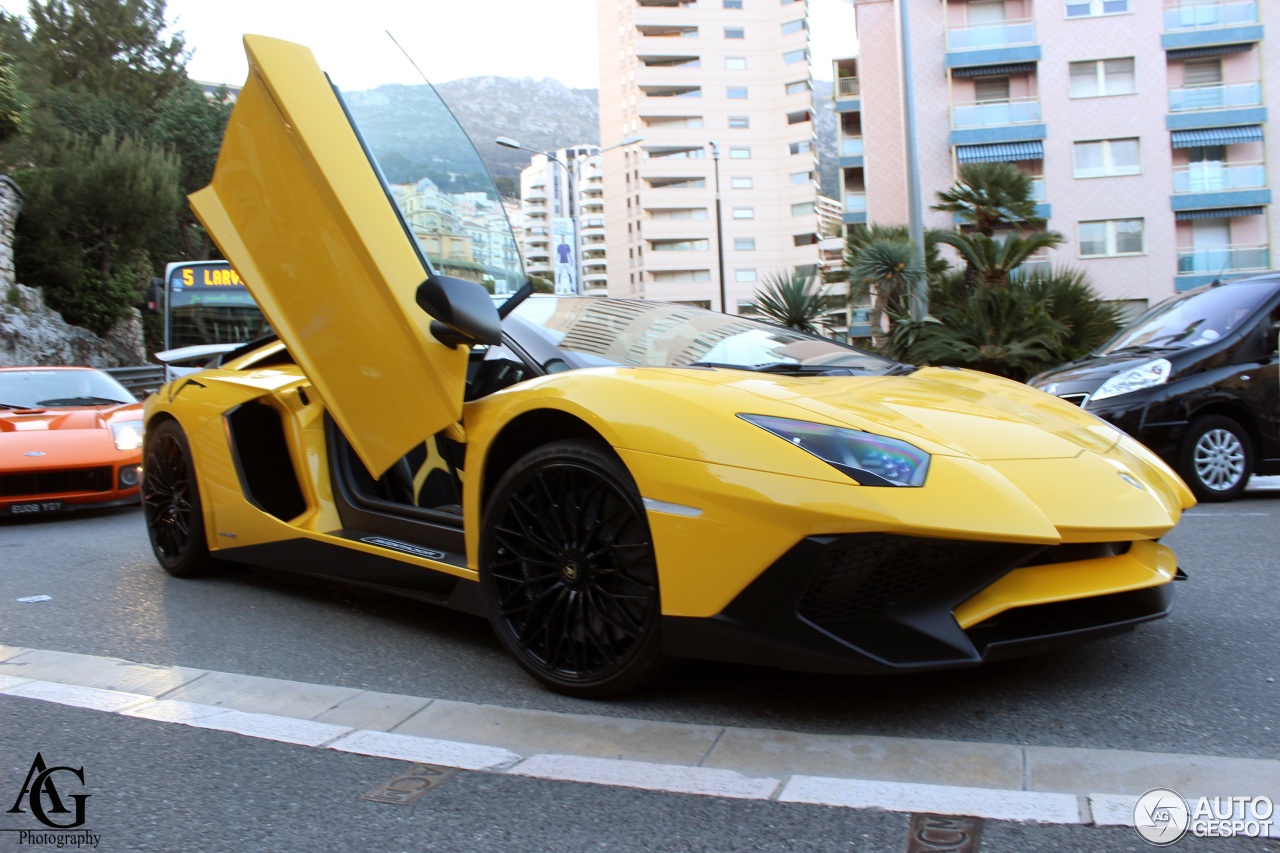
x=611, y=482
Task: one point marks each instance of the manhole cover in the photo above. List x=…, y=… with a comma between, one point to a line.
x=408, y=786
x=934, y=833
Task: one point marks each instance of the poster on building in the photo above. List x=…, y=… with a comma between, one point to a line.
x=564, y=254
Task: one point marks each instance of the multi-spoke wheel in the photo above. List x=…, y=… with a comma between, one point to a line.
x=171, y=503
x=1216, y=458
x=568, y=571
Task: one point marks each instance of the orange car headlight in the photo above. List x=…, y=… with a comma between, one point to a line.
x=127, y=434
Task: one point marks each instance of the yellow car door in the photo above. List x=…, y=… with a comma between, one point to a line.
x=300, y=207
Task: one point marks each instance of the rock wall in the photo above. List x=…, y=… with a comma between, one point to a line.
x=32, y=333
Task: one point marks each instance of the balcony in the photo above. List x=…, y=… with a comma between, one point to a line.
x=1224, y=259
x=855, y=207
x=847, y=87
x=1219, y=177
x=1216, y=96
x=992, y=44
x=985, y=36
x=847, y=94
x=1210, y=24
x=995, y=113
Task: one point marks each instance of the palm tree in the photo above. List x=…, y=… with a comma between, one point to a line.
x=989, y=261
x=886, y=270
x=1072, y=301
x=793, y=299
x=1005, y=331
x=990, y=195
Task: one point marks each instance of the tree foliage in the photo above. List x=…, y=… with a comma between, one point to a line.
x=113, y=136
x=988, y=196
x=794, y=299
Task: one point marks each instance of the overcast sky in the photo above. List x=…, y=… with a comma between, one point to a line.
x=448, y=40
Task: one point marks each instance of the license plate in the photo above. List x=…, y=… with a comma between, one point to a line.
x=35, y=507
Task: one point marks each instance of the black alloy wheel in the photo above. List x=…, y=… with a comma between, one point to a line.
x=171, y=503
x=1216, y=458
x=568, y=571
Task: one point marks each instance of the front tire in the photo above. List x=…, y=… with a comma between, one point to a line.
x=568, y=571
x=1216, y=458
x=171, y=504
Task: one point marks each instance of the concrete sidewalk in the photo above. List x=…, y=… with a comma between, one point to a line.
x=999, y=781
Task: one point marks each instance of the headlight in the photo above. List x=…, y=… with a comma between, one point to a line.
x=1148, y=375
x=870, y=459
x=128, y=435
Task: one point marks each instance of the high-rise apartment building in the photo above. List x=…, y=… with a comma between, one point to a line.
x=722, y=187
x=562, y=213
x=1144, y=124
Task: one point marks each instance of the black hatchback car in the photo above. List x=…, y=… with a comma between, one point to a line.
x=1195, y=378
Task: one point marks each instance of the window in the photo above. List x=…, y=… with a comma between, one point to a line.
x=734, y=33
x=740, y=183
x=679, y=213
x=735, y=62
x=1094, y=8
x=1106, y=158
x=680, y=276
x=793, y=27
x=739, y=122
x=744, y=244
x=1110, y=237
x=744, y=213
x=801, y=147
x=744, y=275
x=741, y=152
x=987, y=89
x=679, y=245
x=1102, y=77
x=791, y=57
x=737, y=92
x=674, y=121
x=803, y=209
x=798, y=178
x=733, y=4
x=1202, y=72
x=800, y=87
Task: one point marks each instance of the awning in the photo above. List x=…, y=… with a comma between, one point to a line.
x=1220, y=213
x=994, y=70
x=1001, y=152
x=1212, y=50
x=1217, y=136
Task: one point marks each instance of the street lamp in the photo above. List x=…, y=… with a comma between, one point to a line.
x=572, y=172
x=715, y=159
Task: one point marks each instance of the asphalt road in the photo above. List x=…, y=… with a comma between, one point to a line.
x=1206, y=680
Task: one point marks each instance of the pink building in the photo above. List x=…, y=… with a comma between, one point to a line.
x=1144, y=124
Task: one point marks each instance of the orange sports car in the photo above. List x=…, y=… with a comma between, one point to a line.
x=70, y=437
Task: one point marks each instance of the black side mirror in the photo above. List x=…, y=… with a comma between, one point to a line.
x=463, y=313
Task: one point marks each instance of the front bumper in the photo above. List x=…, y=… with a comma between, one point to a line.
x=878, y=602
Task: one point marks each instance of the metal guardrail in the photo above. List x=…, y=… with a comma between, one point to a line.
x=141, y=380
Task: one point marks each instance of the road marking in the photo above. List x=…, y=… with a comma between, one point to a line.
x=1077, y=786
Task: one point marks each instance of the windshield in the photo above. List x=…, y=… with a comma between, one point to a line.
x=1193, y=319
x=442, y=189
x=586, y=332
x=31, y=389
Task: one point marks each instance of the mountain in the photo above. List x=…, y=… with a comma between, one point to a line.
x=546, y=115
x=540, y=114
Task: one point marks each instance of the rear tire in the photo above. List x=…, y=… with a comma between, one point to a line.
x=568, y=571
x=1216, y=458
x=171, y=504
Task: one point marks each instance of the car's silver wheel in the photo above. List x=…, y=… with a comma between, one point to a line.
x=1217, y=458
